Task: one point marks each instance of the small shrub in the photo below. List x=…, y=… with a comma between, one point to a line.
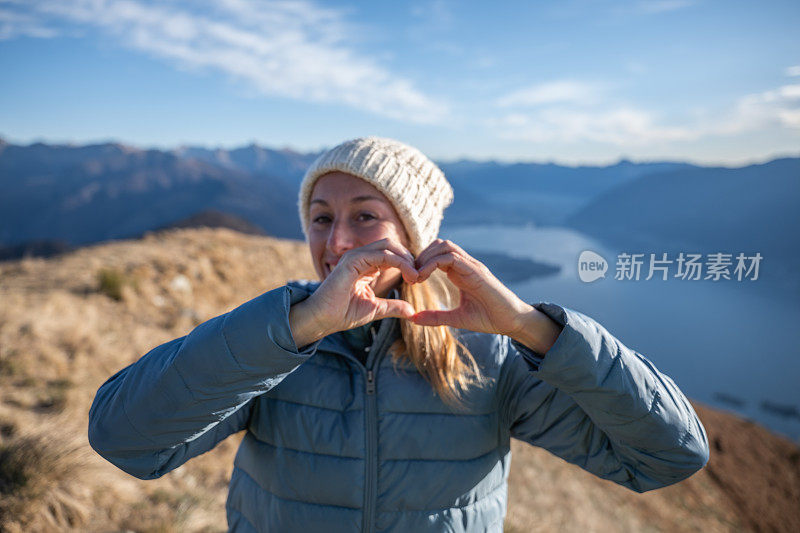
x=110, y=282
x=9, y=366
x=7, y=429
x=164, y=511
x=54, y=398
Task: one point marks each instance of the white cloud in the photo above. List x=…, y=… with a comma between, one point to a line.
x=628, y=126
x=623, y=126
x=559, y=91
x=778, y=107
x=14, y=24
x=793, y=71
x=292, y=49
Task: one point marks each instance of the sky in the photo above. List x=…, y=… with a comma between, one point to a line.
x=570, y=81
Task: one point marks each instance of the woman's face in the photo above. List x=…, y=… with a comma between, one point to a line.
x=346, y=212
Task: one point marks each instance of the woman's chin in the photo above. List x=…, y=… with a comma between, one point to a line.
x=382, y=287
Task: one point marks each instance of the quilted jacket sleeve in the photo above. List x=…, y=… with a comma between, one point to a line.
x=183, y=397
x=602, y=406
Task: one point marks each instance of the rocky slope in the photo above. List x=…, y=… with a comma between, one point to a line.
x=68, y=323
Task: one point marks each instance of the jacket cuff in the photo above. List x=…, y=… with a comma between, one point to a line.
x=532, y=357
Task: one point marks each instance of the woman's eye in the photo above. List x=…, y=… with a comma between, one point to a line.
x=366, y=216
x=322, y=219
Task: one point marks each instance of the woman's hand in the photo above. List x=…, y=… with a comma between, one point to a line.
x=485, y=305
x=345, y=299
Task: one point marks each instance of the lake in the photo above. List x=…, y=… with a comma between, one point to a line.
x=729, y=344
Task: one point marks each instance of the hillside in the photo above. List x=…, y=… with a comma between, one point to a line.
x=68, y=323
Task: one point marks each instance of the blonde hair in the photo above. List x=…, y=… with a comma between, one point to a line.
x=444, y=361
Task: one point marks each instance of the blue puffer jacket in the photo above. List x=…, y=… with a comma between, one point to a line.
x=334, y=445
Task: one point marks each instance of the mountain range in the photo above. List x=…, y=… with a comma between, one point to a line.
x=85, y=194
x=74, y=195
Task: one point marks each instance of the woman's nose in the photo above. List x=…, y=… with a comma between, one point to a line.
x=340, y=239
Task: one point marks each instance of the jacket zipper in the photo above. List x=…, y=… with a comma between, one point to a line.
x=371, y=459
x=376, y=352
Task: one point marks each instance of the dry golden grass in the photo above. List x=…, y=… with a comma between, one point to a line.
x=37, y=478
x=548, y=494
x=68, y=323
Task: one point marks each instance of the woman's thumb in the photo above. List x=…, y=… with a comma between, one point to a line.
x=393, y=308
x=434, y=318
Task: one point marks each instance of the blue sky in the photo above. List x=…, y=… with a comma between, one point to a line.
x=572, y=81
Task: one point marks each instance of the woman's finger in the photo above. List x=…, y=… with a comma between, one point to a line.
x=439, y=247
x=393, y=308
x=433, y=249
x=368, y=261
x=439, y=261
x=446, y=261
x=431, y=317
x=392, y=245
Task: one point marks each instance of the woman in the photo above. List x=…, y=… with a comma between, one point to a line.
x=368, y=405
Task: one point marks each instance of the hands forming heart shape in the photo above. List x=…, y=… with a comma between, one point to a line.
x=345, y=298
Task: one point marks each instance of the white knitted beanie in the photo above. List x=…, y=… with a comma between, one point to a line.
x=415, y=186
